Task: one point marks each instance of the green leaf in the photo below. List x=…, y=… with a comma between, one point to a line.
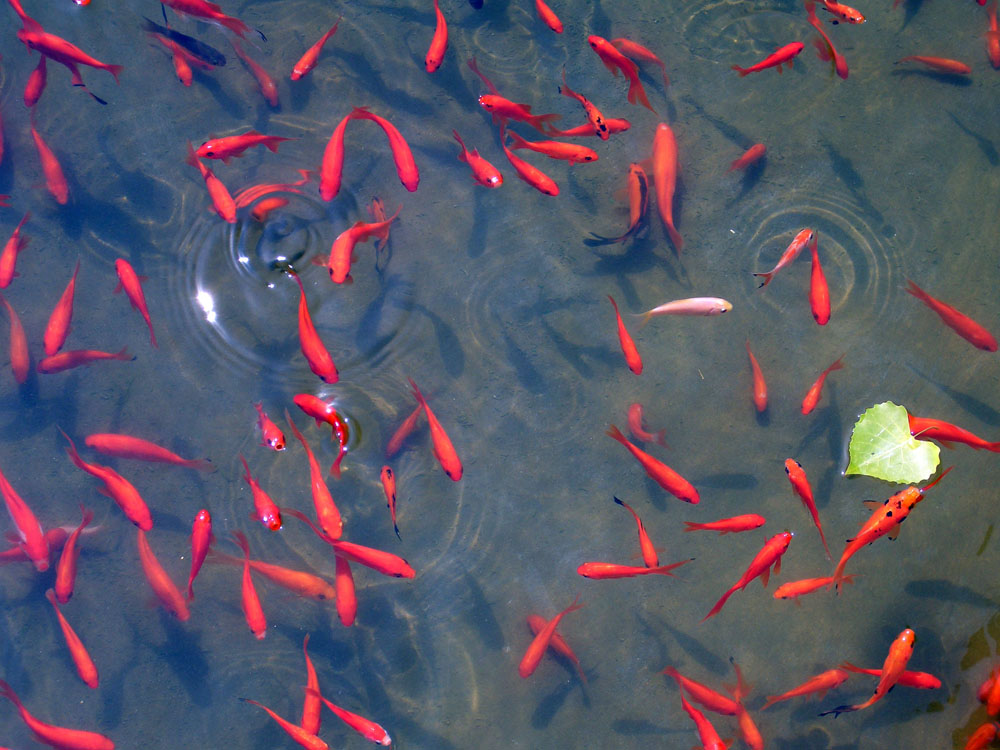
x=882, y=447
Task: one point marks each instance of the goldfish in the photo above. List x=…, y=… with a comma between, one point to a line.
x=66, y=567
x=689, y=306
x=605, y=570
x=820, y=683
x=55, y=537
x=160, y=582
x=594, y=115
x=57, y=737
x=770, y=554
x=844, y=12
x=548, y=16
x=58, y=326
x=315, y=352
x=376, y=209
x=614, y=61
x=919, y=680
x=55, y=180
x=265, y=509
x=983, y=736
x=658, y=471
x=233, y=146
x=665, y=180
x=311, y=706
x=35, y=86
x=444, y=451
x=342, y=250
x=271, y=435
x=751, y=156
x=637, y=51
x=613, y=124
x=402, y=432
x=117, y=487
x=649, y=556
x=885, y=519
x=819, y=292
x=126, y=446
x=503, y=109
x=299, y=582
x=558, y=644
x=924, y=428
x=803, y=238
x=779, y=57
x=209, y=12
x=252, y=610
x=332, y=166
x=732, y=525
x=324, y=413
x=531, y=658
x=194, y=50
x=992, y=36
x=632, y=357
x=265, y=83
x=759, y=384
x=248, y=195
x=482, y=171
x=439, y=42
x=635, y=426
x=14, y=245
x=963, y=325
x=327, y=513
x=222, y=201
x=263, y=210
x=556, y=149
x=707, y=735
x=311, y=56
x=388, y=478
x=748, y=730
x=800, y=483
x=130, y=282
x=347, y=601
x=939, y=65
x=824, y=47
x=637, y=189
x=308, y=740
x=33, y=541
x=365, y=727
x=896, y=660
x=795, y=589
x=528, y=172
x=61, y=51
x=406, y=168
x=78, y=652
x=20, y=359
x=201, y=543
x=77, y=357
x=177, y=56
x=816, y=389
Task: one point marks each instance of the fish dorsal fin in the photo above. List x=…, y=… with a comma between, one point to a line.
x=894, y=532
x=872, y=504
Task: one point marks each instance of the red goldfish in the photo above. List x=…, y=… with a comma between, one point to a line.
x=365, y=727
x=311, y=706
x=531, y=658
x=558, y=644
x=315, y=352
x=332, y=167
x=311, y=56
x=819, y=292
x=637, y=51
x=594, y=115
x=222, y=201
x=347, y=601
x=899, y=655
x=820, y=683
x=265, y=509
x=126, y=446
x=504, y=109
x=527, y=172
x=919, y=680
x=939, y=65
x=57, y=737
x=795, y=589
x=632, y=357
x=388, y=478
x=800, y=483
x=751, y=156
x=759, y=385
x=77, y=357
x=707, y=735
x=160, y=582
x=406, y=168
x=482, y=171
x=555, y=149
x=614, y=125
x=992, y=36
x=201, y=542
x=78, y=652
x=639, y=432
x=770, y=554
x=605, y=570
x=402, y=432
x=14, y=245
x=32, y=542
x=548, y=16
x=233, y=146
x=252, y=610
x=339, y=262
x=66, y=567
x=265, y=83
x=728, y=525
x=306, y=739
x=843, y=12
x=614, y=61
x=665, y=180
x=658, y=471
x=299, y=582
x=637, y=189
x=649, y=556
x=963, y=325
x=61, y=51
x=270, y=434
x=208, y=11
x=824, y=47
x=58, y=326
x=439, y=43
x=55, y=180
x=36, y=83
x=20, y=359
x=816, y=389
x=802, y=239
x=116, y=487
x=130, y=282
x=327, y=513
x=444, y=451
x=924, y=428
x=778, y=58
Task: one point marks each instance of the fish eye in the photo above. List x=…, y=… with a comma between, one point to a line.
x=210, y=153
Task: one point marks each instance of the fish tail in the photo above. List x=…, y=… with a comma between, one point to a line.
x=693, y=526
x=719, y=604
x=234, y=24
x=115, y=70
x=644, y=318
x=661, y=437
x=839, y=710
x=519, y=142
x=767, y=278
x=675, y=238
x=543, y=123
x=742, y=71
x=616, y=434
x=461, y=156
x=917, y=292
x=637, y=92
x=664, y=570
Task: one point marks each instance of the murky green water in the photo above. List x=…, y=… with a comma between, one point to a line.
x=493, y=304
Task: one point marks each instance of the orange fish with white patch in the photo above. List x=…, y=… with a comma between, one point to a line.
x=311, y=56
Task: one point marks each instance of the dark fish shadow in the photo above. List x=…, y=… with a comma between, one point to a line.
x=942, y=590
x=910, y=9
x=985, y=144
x=397, y=291
x=480, y=616
x=449, y=345
x=694, y=648
x=979, y=409
x=849, y=176
x=763, y=417
x=529, y=376
x=550, y=704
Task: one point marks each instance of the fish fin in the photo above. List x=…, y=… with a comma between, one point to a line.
x=765, y=577
x=777, y=567
x=894, y=533
x=871, y=505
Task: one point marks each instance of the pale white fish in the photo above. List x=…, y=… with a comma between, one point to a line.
x=689, y=306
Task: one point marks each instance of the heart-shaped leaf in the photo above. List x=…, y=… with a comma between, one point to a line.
x=882, y=447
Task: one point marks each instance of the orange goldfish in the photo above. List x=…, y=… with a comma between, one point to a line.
x=632, y=357
x=963, y=325
x=160, y=582
x=531, y=658
x=781, y=56
x=311, y=56
x=658, y=471
x=770, y=554
x=895, y=663
x=482, y=171
x=816, y=389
